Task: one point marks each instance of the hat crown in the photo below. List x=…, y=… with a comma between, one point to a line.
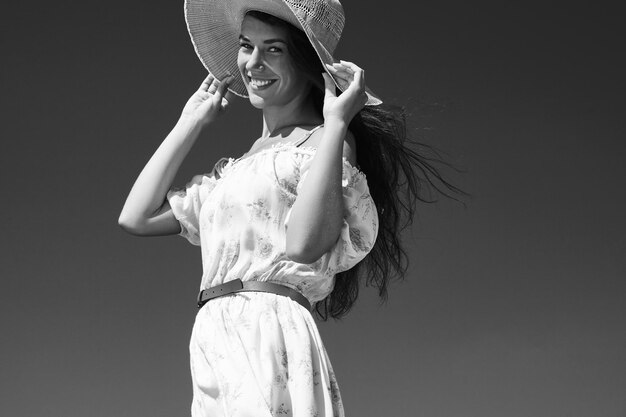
x=325, y=18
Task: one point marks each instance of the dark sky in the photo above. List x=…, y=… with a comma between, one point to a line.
x=513, y=306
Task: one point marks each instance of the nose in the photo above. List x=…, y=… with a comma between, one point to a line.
x=256, y=61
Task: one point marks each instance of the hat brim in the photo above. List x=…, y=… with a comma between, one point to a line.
x=215, y=25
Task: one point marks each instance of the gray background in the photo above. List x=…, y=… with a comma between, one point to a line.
x=513, y=306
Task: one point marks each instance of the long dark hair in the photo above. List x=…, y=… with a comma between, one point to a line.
x=400, y=173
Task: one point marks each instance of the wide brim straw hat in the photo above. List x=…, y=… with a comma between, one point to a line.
x=215, y=26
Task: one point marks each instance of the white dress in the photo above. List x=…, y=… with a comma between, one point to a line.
x=260, y=354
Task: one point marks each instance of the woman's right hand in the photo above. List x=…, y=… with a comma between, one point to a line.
x=147, y=211
x=206, y=104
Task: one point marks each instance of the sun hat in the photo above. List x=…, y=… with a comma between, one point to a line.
x=214, y=27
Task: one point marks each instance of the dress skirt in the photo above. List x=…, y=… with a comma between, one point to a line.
x=260, y=355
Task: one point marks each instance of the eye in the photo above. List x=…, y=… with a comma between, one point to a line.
x=274, y=49
x=245, y=45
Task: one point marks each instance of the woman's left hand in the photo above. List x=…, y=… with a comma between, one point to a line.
x=351, y=79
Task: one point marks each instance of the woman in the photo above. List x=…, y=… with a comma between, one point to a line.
x=288, y=224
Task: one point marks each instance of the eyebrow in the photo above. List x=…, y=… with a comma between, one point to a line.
x=267, y=41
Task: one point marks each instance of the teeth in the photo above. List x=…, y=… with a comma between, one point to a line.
x=260, y=83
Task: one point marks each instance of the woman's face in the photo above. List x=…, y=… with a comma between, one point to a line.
x=266, y=65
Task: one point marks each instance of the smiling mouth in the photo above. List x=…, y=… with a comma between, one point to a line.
x=258, y=84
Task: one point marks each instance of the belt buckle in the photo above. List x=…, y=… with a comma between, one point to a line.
x=200, y=304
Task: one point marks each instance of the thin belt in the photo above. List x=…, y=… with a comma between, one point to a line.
x=237, y=285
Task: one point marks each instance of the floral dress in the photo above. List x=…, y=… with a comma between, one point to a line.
x=260, y=354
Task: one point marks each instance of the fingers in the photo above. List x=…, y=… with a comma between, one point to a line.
x=207, y=82
x=220, y=90
x=212, y=85
x=350, y=65
x=343, y=77
x=350, y=78
x=347, y=74
x=358, y=73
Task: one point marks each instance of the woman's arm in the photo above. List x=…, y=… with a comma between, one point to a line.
x=317, y=215
x=146, y=211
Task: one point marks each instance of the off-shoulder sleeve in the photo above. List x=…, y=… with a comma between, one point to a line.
x=186, y=202
x=360, y=223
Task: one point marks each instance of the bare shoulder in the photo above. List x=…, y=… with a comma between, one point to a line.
x=349, y=144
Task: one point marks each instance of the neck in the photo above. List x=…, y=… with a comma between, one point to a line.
x=299, y=112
